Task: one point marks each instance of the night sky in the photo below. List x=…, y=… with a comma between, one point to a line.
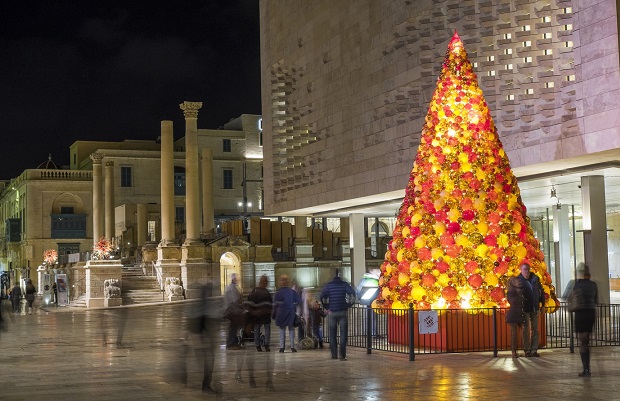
x=111, y=70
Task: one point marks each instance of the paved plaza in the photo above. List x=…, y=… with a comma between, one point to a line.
x=68, y=354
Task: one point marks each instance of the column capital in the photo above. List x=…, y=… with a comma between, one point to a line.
x=190, y=109
x=96, y=158
x=109, y=163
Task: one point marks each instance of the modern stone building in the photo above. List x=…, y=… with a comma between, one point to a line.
x=346, y=87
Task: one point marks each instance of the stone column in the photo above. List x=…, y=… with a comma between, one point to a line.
x=301, y=242
x=167, y=183
x=192, y=183
x=208, y=223
x=562, y=272
x=357, y=243
x=142, y=217
x=110, y=232
x=595, y=232
x=97, y=198
x=168, y=252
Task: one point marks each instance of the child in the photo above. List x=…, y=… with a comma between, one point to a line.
x=316, y=316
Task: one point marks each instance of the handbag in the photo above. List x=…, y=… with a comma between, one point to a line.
x=574, y=300
x=297, y=321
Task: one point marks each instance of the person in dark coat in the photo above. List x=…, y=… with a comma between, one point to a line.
x=585, y=293
x=16, y=298
x=515, y=315
x=533, y=303
x=284, y=304
x=316, y=319
x=335, y=299
x=260, y=304
x=31, y=293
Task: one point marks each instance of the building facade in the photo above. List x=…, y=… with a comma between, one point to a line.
x=346, y=88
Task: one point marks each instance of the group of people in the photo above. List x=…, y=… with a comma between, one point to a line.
x=526, y=298
x=261, y=308
x=16, y=297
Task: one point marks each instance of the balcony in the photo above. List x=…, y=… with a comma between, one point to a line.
x=68, y=225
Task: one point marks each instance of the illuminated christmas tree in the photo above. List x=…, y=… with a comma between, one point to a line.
x=462, y=229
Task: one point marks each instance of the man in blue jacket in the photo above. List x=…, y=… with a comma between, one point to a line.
x=335, y=297
x=533, y=302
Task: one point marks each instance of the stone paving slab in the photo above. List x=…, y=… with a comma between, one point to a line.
x=73, y=356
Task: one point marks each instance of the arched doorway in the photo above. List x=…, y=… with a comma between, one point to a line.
x=229, y=264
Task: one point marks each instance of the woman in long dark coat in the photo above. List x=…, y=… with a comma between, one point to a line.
x=585, y=298
x=284, y=303
x=515, y=316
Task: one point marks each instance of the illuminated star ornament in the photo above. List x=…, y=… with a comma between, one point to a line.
x=462, y=230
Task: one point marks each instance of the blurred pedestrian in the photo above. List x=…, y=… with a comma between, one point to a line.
x=16, y=298
x=533, y=303
x=232, y=295
x=336, y=299
x=31, y=293
x=515, y=316
x=584, y=297
x=316, y=320
x=284, y=305
x=260, y=304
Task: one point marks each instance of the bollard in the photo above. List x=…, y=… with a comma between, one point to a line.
x=368, y=329
x=495, y=331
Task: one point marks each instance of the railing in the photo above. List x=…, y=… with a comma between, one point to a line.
x=466, y=330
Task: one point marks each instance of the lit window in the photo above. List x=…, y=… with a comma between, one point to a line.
x=547, y=35
x=527, y=59
x=509, y=66
x=548, y=52
x=507, y=36
x=546, y=19
x=527, y=43
x=508, y=51
x=568, y=27
x=570, y=78
x=568, y=10
x=549, y=84
x=529, y=91
x=491, y=58
x=491, y=73
x=568, y=44
x=510, y=97
x=475, y=64
x=526, y=28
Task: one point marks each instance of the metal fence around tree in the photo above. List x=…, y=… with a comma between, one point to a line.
x=474, y=330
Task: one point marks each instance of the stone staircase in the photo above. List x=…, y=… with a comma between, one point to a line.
x=136, y=288
x=79, y=302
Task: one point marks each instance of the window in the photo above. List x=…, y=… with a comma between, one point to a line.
x=179, y=214
x=510, y=97
x=508, y=66
x=527, y=43
x=568, y=10
x=179, y=181
x=526, y=28
x=548, y=52
x=507, y=51
x=508, y=36
x=126, y=176
x=527, y=59
x=546, y=19
x=529, y=91
x=570, y=78
x=547, y=35
x=491, y=73
x=66, y=210
x=568, y=44
x=227, y=146
x=568, y=27
x=228, y=179
x=550, y=84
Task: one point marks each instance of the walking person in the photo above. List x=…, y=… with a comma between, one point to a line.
x=334, y=298
x=260, y=305
x=316, y=322
x=232, y=295
x=584, y=298
x=31, y=293
x=533, y=302
x=16, y=298
x=515, y=315
x=284, y=304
